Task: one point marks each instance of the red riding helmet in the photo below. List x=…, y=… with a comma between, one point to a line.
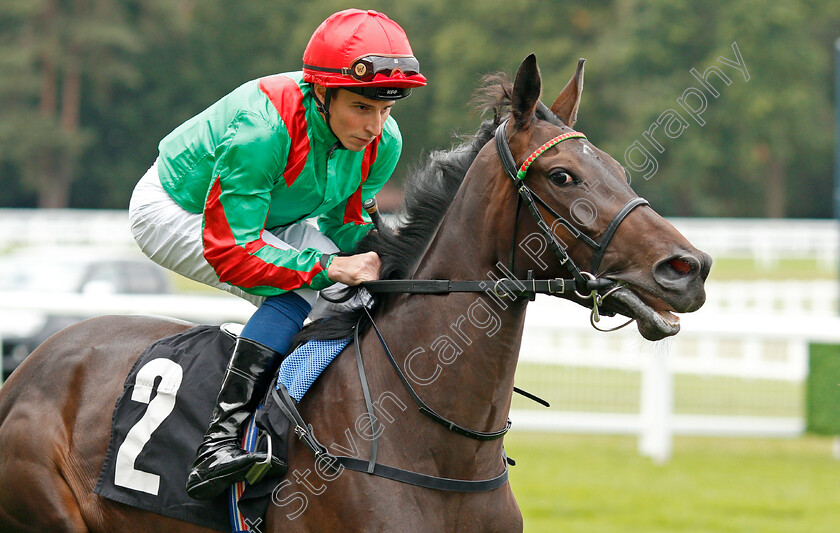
x=365, y=52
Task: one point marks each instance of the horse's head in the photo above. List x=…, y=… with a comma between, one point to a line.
x=585, y=202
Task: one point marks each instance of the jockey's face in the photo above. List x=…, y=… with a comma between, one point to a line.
x=355, y=119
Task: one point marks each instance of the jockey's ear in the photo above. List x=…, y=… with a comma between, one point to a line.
x=566, y=105
x=320, y=90
x=526, y=92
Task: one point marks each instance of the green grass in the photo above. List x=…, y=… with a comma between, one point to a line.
x=597, y=484
x=569, y=388
x=617, y=391
x=731, y=268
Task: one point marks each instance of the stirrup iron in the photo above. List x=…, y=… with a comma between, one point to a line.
x=258, y=471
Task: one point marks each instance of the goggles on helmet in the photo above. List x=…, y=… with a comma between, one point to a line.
x=366, y=68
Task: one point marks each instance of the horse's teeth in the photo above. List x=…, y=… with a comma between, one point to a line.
x=669, y=317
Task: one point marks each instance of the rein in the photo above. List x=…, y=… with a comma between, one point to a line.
x=306, y=433
x=423, y=407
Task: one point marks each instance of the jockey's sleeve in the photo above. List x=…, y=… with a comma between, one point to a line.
x=347, y=223
x=251, y=156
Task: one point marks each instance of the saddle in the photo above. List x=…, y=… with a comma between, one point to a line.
x=160, y=419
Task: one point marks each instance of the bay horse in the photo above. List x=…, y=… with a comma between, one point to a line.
x=459, y=349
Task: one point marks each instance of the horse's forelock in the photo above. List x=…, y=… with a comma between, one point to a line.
x=494, y=95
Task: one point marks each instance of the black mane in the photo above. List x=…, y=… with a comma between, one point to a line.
x=429, y=192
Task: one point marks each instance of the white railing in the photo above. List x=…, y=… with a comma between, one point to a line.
x=749, y=347
x=212, y=309
x=764, y=240
x=739, y=346
x=747, y=331
x=63, y=227
x=811, y=297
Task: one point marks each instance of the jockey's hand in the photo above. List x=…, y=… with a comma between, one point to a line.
x=354, y=269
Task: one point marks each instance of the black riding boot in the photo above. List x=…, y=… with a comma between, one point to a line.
x=220, y=461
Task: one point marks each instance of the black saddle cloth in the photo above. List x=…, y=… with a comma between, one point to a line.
x=158, y=423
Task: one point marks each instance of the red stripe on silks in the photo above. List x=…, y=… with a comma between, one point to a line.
x=287, y=99
x=369, y=158
x=353, y=208
x=236, y=264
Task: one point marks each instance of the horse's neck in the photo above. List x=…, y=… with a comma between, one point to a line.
x=460, y=350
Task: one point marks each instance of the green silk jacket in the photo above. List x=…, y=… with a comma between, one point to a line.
x=263, y=157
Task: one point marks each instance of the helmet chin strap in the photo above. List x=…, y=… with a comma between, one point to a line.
x=324, y=108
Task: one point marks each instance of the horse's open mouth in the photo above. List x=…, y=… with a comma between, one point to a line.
x=653, y=325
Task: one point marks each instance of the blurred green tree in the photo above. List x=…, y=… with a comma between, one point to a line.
x=765, y=146
x=53, y=51
x=89, y=87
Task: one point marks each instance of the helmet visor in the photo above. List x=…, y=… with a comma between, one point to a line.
x=367, y=67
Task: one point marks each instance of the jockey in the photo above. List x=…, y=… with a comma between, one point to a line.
x=227, y=200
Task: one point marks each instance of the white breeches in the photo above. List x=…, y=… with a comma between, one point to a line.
x=171, y=236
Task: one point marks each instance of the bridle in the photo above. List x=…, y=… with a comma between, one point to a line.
x=584, y=281
x=582, y=284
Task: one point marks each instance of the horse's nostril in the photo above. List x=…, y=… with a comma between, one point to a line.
x=680, y=265
x=676, y=271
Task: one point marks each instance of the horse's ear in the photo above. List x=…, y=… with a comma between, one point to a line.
x=566, y=105
x=526, y=91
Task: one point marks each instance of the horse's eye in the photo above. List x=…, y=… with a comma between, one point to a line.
x=561, y=178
